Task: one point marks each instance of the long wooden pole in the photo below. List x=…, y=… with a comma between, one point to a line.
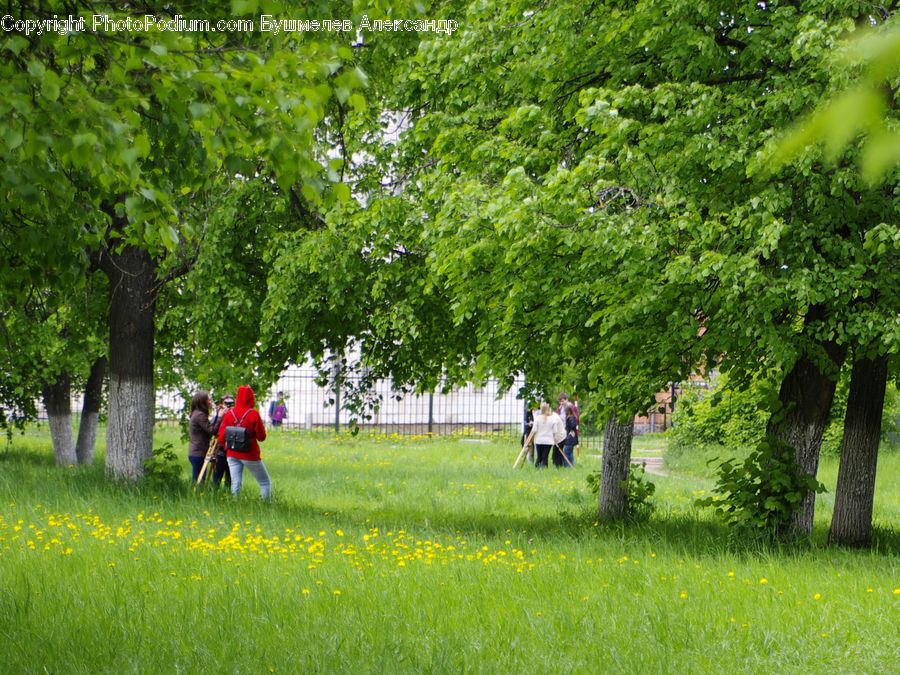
x=560, y=451
x=520, y=460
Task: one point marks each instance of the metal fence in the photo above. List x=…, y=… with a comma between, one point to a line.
x=467, y=411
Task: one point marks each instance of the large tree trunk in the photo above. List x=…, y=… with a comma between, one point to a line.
x=806, y=395
x=614, y=469
x=57, y=401
x=129, y=434
x=854, y=496
x=90, y=412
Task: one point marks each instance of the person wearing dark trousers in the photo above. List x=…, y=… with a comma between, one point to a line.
x=571, y=434
x=529, y=425
x=220, y=470
x=548, y=431
x=200, y=430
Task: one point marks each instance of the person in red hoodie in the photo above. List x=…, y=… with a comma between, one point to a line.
x=244, y=414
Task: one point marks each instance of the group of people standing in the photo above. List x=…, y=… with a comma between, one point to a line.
x=554, y=433
x=230, y=411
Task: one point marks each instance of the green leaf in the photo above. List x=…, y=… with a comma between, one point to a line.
x=342, y=192
x=244, y=7
x=15, y=44
x=357, y=102
x=36, y=69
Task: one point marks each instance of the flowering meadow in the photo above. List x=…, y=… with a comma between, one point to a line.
x=385, y=554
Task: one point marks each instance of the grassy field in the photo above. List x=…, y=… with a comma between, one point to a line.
x=384, y=554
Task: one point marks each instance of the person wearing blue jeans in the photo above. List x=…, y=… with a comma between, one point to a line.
x=201, y=430
x=258, y=469
x=244, y=414
x=571, y=434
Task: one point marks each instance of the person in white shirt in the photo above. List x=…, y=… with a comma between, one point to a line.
x=548, y=432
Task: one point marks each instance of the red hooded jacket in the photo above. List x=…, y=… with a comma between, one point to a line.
x=252, y=423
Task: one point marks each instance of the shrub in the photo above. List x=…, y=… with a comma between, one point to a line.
x=732, y=415
x=163, y=471
x=763, y=491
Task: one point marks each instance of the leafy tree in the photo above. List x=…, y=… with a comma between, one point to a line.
x=866, y=107
x=111, y=137
x=585, y=186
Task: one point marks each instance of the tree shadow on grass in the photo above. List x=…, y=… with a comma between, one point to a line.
x=683, y=533
x=686, y=533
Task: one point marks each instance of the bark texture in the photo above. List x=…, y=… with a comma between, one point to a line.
x=851, y=524
x=614, y=471
x=58, y=403
x=806, y=395
x=129, y=435
x=90, y=412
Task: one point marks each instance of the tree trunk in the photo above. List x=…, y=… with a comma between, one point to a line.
x=57, y=401
x=854, y=496
x=90, y=413
x=129, y=434
x=806, y=395
x=615, y=468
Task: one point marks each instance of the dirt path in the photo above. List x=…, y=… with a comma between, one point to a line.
x=653, y=465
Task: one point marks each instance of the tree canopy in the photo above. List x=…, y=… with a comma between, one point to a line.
x=597, y=193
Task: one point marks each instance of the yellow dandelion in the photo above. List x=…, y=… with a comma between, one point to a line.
x=897, y=591
x=339, y=533
x=817, y=596
x=763, y=581
x=305, y=591
x=336, y=591
x=731, y=574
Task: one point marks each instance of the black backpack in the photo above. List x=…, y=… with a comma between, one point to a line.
x=236, y=437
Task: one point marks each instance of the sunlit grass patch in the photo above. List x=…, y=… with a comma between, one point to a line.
x=383, y=554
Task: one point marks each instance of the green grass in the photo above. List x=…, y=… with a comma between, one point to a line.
x=397, y=555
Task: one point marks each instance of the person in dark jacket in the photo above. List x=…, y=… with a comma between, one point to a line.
x=528, y=426
x=200, y=430
x=571, y=439
x=244, y=414
x=220, y=471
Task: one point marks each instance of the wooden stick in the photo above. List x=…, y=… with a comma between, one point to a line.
x=560, y=451
x=209, y=459
x=520, y=460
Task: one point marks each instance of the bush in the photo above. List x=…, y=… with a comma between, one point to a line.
x=763, y=492
x=728, y=415
x=163, y=471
